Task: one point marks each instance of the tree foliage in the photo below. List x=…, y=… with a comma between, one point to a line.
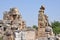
x=56, y=27
x=35, y=27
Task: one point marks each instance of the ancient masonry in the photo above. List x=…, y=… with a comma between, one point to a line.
x=44, y=29
x=12, y=21
x=42, y=22
x=14, y=17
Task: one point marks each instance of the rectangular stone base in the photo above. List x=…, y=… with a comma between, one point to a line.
x=42, y=38
x=45, y=38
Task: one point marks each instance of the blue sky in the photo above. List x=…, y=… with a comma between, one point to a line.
x=29, y=9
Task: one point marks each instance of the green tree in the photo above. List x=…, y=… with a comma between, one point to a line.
x=35, y=27
x=56, y=27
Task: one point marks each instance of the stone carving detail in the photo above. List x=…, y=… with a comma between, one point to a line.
x=43, y=24
x=12, y=21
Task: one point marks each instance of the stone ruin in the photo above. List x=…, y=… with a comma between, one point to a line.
x=12, y=21
x=45, y=31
